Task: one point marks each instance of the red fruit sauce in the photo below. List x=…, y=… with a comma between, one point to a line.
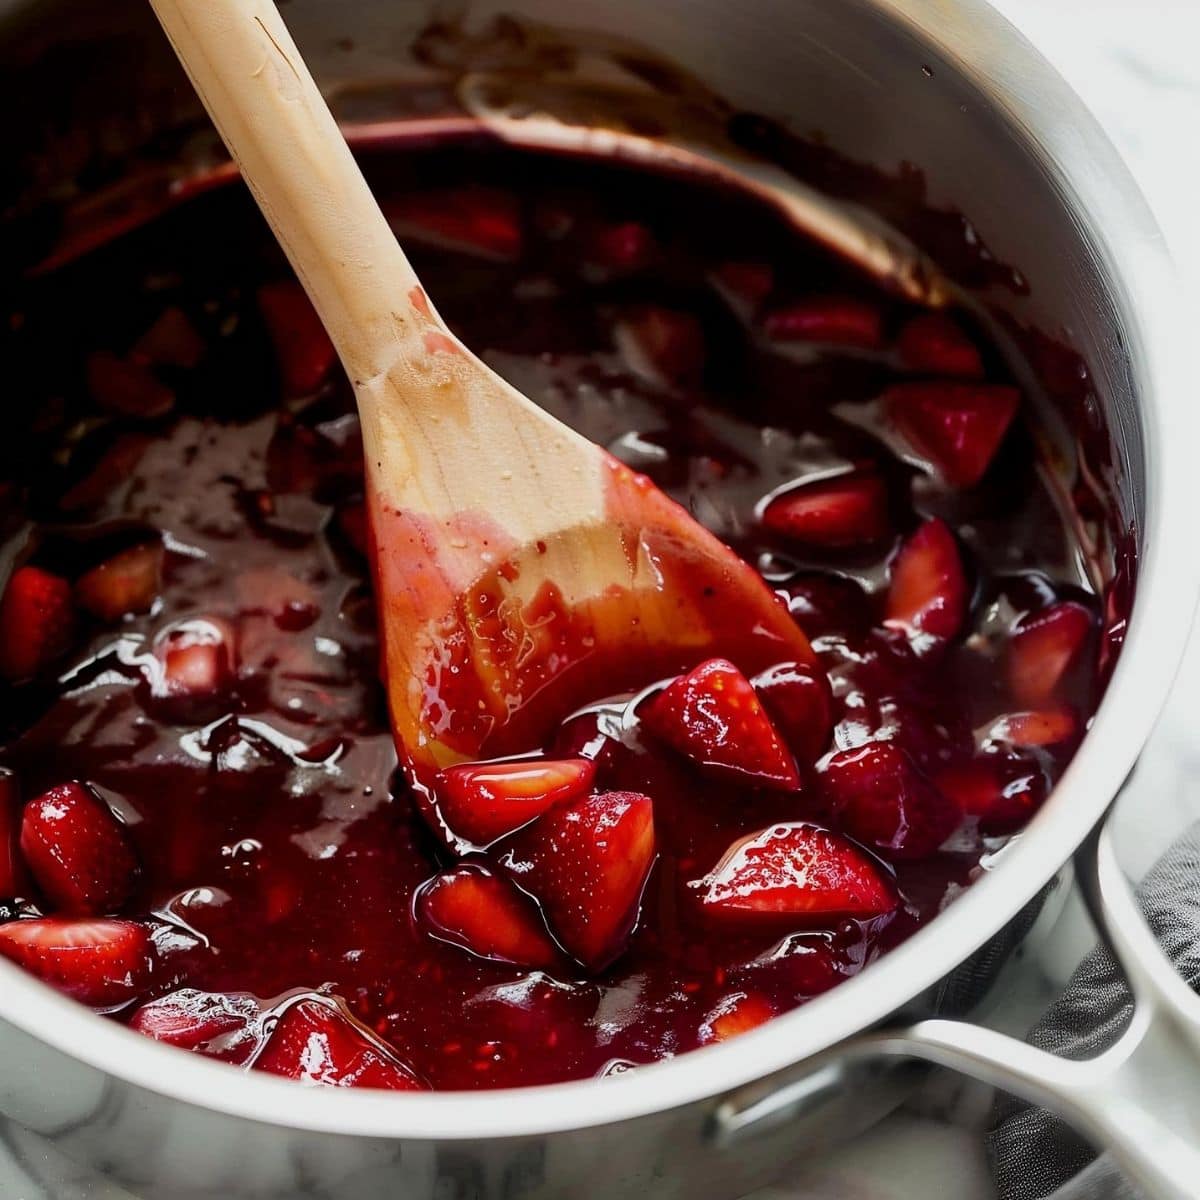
x=207, y=662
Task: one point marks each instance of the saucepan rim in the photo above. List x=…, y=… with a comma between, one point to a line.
x=1096, y=185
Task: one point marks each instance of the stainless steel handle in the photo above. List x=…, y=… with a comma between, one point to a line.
x=1140, y=1099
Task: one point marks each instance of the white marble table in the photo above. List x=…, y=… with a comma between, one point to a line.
x=1134, y=62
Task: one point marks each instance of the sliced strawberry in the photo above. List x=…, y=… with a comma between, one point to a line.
x=316, y=1044
x=824, y=603
x=120, y=386
x=1044, y=648
x=877, y=796
x=481, y=802
x=195, y=659
x=849, y=510
x=1002, y=795
x=806, y=964
x=172, y=341
x=622, y=248
x=662, y=345
x=794, y=873
x=113, y=470
x=928, y=589
x=101, y=963
x=748, y=282
x=712, y=716
x=1040, y=727
x=12, y=874
x=79, y=853
x=194, y=668
x=313, y=462
x=484, y=222
x=123, y=585
x=933, y=344
x=302, y=346
x=799, y=702
x=836, y=320
x=487, y=915
x=957, y=426
x=37, y=621
x=737, y=1013
x=222, y=1026
x=587, y=863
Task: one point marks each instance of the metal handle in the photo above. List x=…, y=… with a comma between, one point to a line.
x=1140, y=1099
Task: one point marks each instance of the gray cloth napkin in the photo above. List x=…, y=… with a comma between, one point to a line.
x=1035, y=1155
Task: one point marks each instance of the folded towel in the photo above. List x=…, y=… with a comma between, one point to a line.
x=1036, y=1156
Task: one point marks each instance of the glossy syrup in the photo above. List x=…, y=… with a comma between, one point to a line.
x=279, y=848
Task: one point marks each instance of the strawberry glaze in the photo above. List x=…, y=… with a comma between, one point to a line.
x=198, y=644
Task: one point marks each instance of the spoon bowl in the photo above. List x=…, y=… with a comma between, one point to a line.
x=520, y=569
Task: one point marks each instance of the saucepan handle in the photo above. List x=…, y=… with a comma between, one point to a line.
x=1140, y=1099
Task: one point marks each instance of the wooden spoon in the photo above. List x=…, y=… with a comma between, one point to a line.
x=520, y=570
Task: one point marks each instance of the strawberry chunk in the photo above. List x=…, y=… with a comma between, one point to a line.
x=713, y=717
x=1044, y=648
x=807, y=964
x=128, y=388
x=12, y=875
x=587, y=862
x=195, y=660
x=106, y=478
x=933, y=344
x=957, y=426
x=1039, y=728
x=487, y=915
x=927, y=593
x=877, y=796
x=800, y=704
x=37, y=621
x=316, y=1044
x=662, y=345
x=126, y=584
x=479, y=221
x=104, y=964
x=193, y=669
x=481, y=802
x=302, y=346
x=849, y=510
x=795, y=873
x=1001, y=795
x=172, y=341
x=834, y=320
x=748, y=283
x=221, y=1026
x=78, y=851
x=736, y=1013
x=623, y=248
x=315, y=463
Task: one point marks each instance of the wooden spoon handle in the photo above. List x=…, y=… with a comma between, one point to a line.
x=260, y=95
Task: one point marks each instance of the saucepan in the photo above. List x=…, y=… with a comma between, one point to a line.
x=930, y=140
